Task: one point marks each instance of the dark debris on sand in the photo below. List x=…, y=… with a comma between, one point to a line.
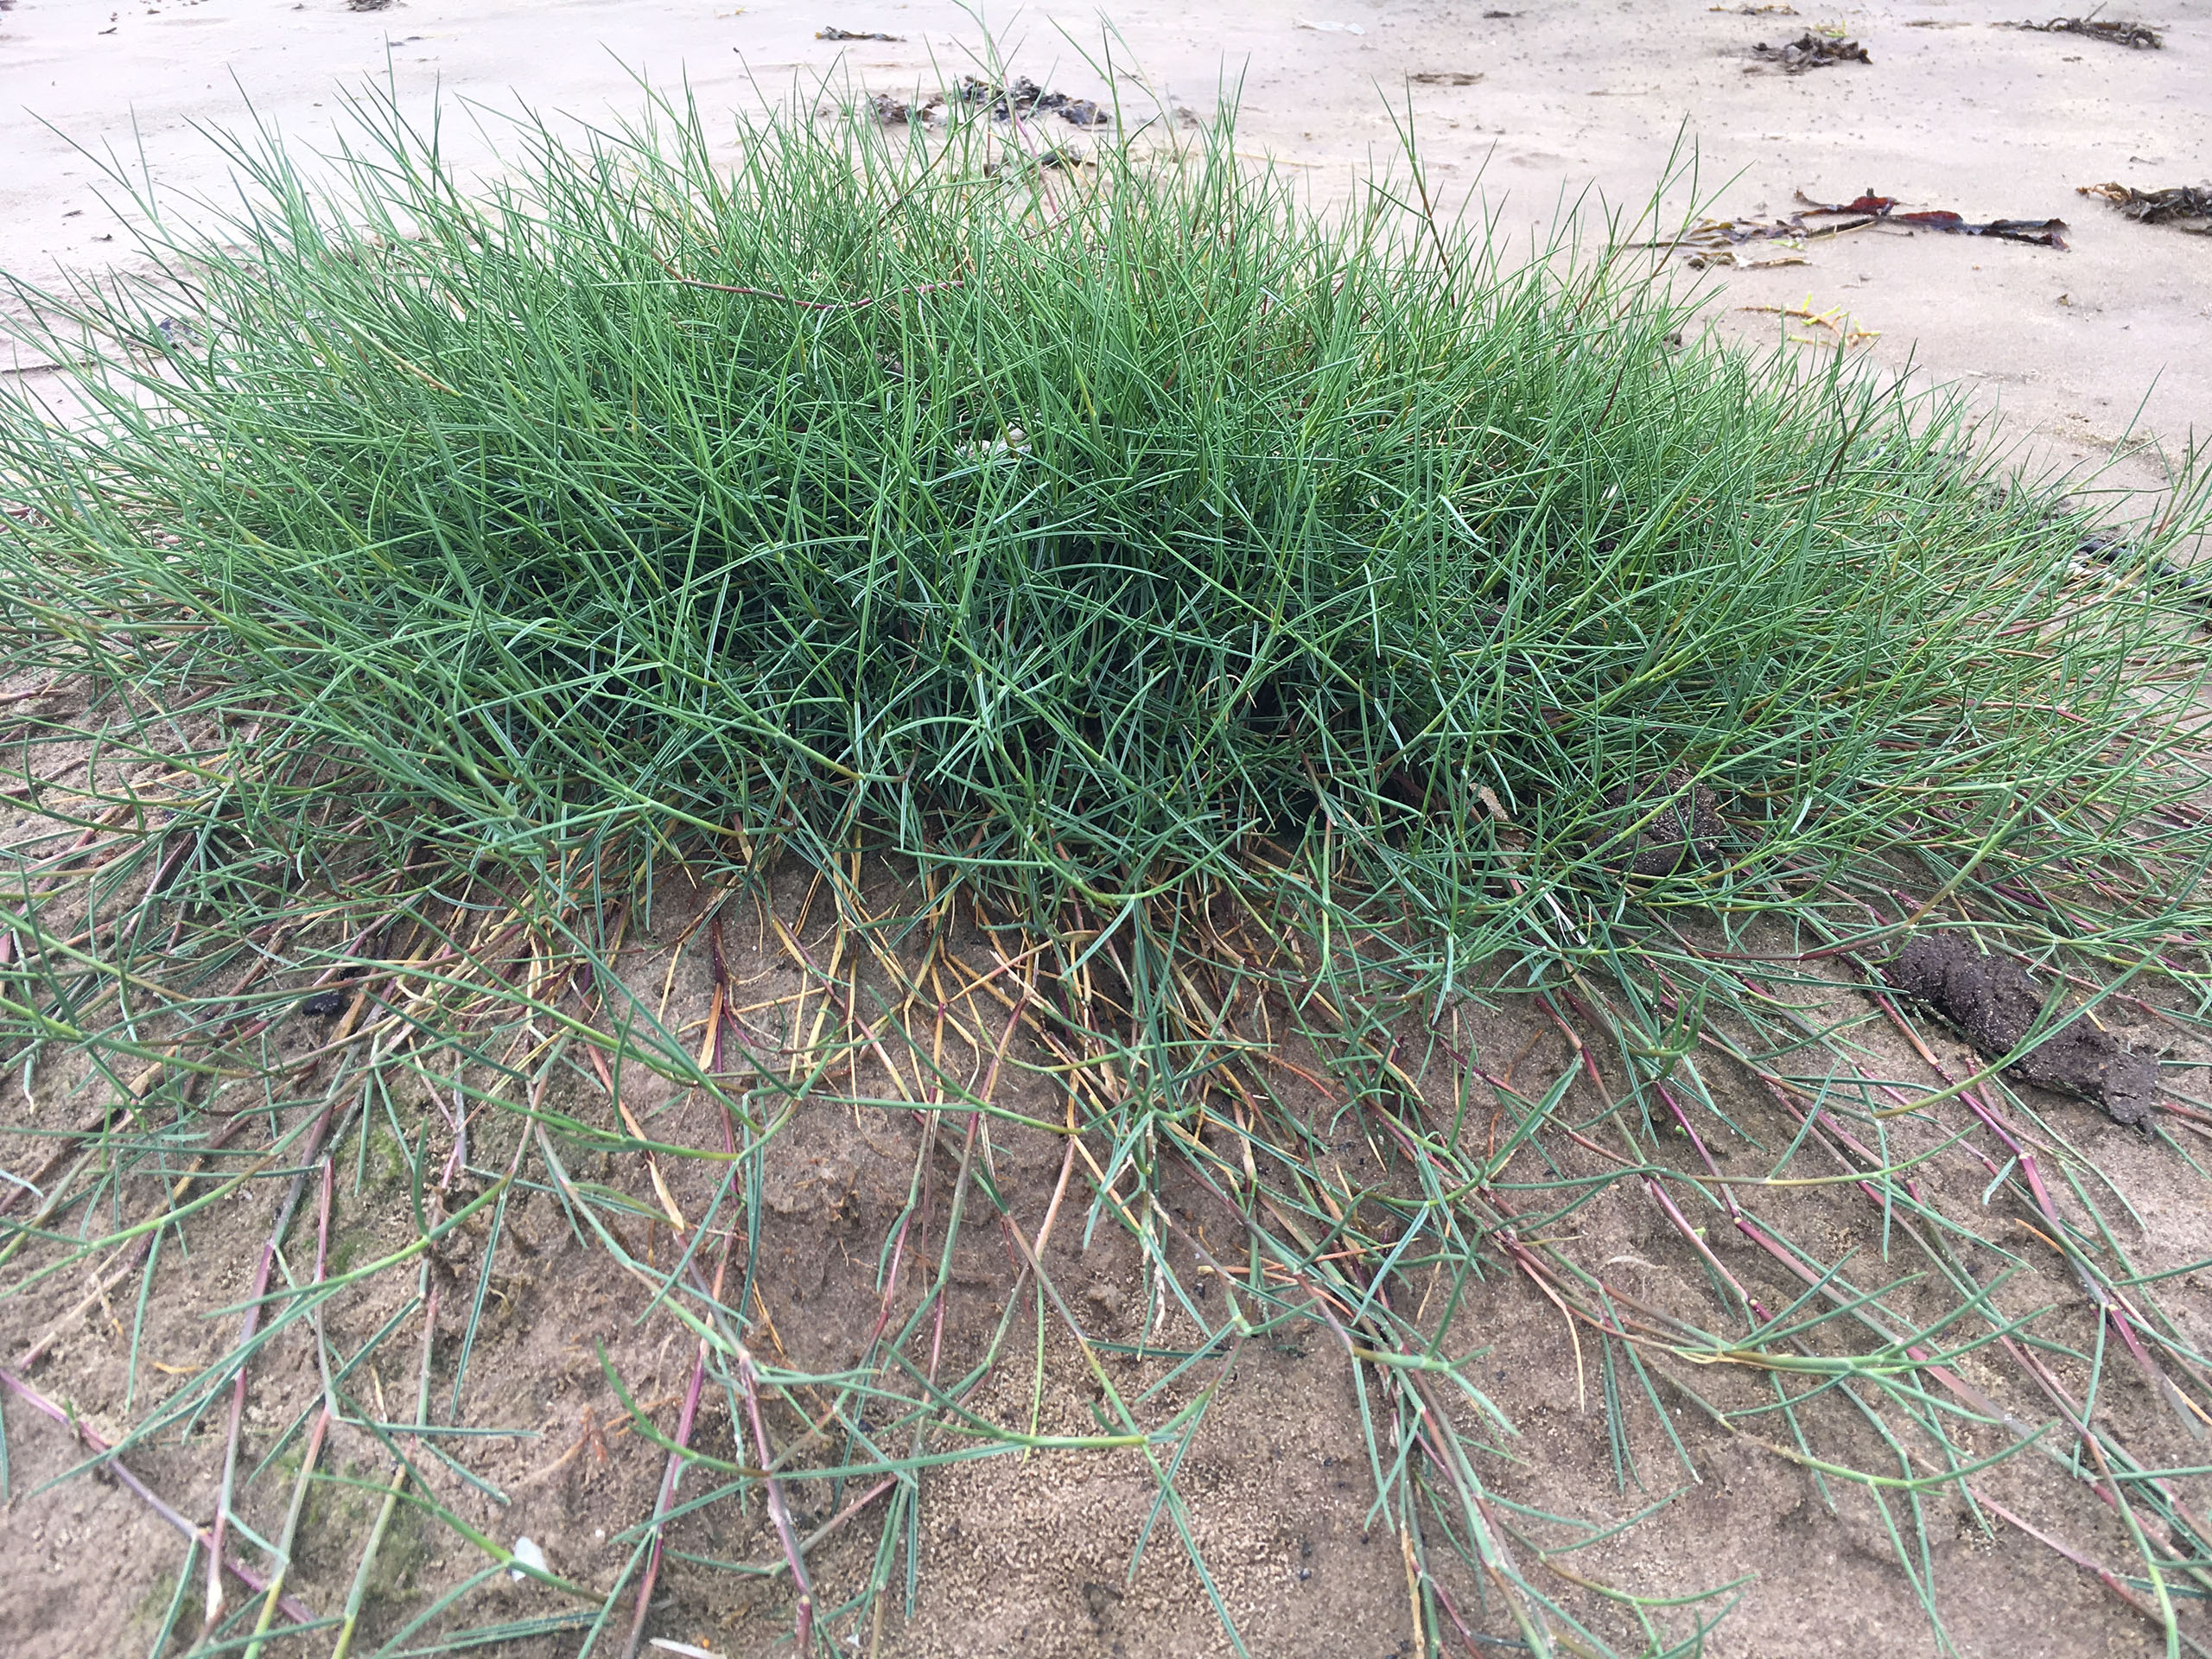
x=894, y=111
x=1994, y=1003
x=1811, y=51
x=1023, y=97
x=334, y=998
x=2185, y=206
x=1672, y=836
x=2038, y=232
x=1712, y=236
x=2140, y=36
x=833, y=33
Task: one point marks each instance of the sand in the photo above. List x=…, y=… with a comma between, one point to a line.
x=1573, y=105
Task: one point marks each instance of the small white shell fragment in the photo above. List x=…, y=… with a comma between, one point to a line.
x=683, y=1647
x=527, y=1554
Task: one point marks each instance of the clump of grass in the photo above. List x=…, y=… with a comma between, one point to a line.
x=1227, y=600
x=1078, y=533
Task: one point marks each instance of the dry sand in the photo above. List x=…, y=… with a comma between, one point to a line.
x=1565, y=99
x=2082, y=346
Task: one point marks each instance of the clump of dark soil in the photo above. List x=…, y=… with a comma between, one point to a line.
x=1994, y=1003
x=1685, y=831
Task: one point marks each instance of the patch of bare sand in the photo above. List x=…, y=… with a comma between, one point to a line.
x=1031, y=1556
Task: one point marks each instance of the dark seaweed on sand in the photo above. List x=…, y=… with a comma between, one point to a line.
x=1811, y=51
x=1873, y=209
x=1023, y=96
x=2140, y=36
x=2185, y=206
x=893, y=111
x=1712, y=236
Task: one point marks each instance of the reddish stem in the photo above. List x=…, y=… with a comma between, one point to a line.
x=293, y=1608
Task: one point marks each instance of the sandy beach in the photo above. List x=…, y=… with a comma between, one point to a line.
x=1564, y=106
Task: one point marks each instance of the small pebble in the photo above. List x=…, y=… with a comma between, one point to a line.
x=527, y=1555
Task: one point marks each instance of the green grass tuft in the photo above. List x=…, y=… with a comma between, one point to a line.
x=1074, y=531
x=1275, y=627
